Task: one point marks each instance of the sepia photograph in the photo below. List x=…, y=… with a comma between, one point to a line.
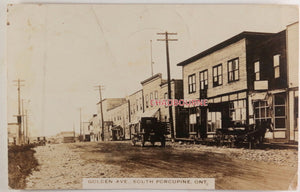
x=152, y=96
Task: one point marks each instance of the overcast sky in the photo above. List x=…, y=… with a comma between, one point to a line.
x=63, y=51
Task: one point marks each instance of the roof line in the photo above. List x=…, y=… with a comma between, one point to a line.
x=223, y=44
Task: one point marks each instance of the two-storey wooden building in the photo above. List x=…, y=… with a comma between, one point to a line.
x=245, y=81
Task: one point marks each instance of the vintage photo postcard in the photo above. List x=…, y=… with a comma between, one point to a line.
x=152, y=96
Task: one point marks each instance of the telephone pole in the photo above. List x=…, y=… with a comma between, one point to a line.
x=19, y=116
x=23, y=121
x=151, y=58
x=101, y=88
x=27, y=136
x=80, y=125
x=74, y=132
x=166, y=34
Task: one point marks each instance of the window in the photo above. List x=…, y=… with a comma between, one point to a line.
x=156, y=95
x=217, y=75
x=257, y=70
x=233, y=70
x=166, y=98
x=214, y=121
x=279, y=109
x=141, y=105
x=276, y=65
x=203, y=80
x=192, y=120
x=192, y=83
x=261, y=111
x=147, y=101
x=151, y=98
x=133, y=108
x=237, y=111
x=137, y=105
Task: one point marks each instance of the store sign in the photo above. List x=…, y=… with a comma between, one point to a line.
x=260, y=85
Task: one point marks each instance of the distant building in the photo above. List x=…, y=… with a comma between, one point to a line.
x=12, y=133
x=155, y=88
x=66, y=137
x=94, y=128
x=119, y=116
x=107, y=104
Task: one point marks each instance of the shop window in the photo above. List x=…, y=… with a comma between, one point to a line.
x=217, y=75
x=192, y=120
x=237, y=111
x=233, y=70
x=261, y=110
x=279, y=108
x=214, y=121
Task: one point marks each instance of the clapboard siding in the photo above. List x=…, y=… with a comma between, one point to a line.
x=222, y=56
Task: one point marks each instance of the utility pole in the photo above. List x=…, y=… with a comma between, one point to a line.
x=74, y=132
x=101, y=88
x=80, y=124
x=19, y=116
x=23, y=122
x=169, y=78
x=27, y=136
x=151, y=58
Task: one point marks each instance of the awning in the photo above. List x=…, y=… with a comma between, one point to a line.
x=259, y=96
x=150, y=113
x=118, y=127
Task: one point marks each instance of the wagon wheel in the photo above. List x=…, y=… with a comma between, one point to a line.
x=142, y=140
x=232, y=141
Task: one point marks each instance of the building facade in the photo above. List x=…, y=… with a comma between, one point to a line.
x=107, y=104
x=245, y=81
x=292, y=46
x=119, y=116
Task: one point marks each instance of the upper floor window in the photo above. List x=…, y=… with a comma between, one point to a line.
x=276, y=65
x=166, y=97
x=147, y=101
x=137, y=105
x=257, y=70
x=141, y=105
x=192, y=83
x=155, y=95
x=203, y=80
x=151, y=98
x=133, y=107
x=233, y=70
x=217, y=75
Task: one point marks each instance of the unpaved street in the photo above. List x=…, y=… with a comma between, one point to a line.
x=62, y=166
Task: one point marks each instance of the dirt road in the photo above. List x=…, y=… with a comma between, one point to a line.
x=63, y=166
